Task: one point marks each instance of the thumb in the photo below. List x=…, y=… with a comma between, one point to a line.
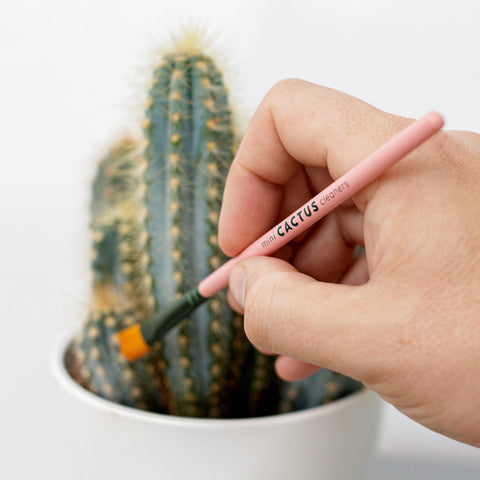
x=329, y=325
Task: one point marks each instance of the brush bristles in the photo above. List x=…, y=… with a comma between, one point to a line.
x=132, y=343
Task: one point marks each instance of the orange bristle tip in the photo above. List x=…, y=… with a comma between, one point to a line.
x=132, y=343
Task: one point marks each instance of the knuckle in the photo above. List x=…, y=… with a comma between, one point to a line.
x=444, y=145
x=284, y=88
x=260, y=308
x=473, y=137
x=455, y=150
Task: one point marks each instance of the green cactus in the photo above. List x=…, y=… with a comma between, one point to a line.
x=154, y=216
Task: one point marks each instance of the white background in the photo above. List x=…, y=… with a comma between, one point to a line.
x=71, y=79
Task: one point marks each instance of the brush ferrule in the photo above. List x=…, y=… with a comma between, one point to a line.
x=156, y=327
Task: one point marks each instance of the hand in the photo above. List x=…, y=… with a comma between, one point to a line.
x=404, y=317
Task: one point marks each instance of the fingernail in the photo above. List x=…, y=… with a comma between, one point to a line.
x=238, y=279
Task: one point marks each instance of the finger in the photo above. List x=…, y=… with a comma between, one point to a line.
x=298, y=123
x=328, y=325
x=285, y=253
x=233, y=303
x=358, y=273
x=325, y=253
x=239, y=309
x=291, y=369
x=265, y=352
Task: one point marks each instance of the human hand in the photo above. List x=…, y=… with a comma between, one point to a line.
x=404, y=317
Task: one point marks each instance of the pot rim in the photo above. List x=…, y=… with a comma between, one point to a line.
x=63, y=377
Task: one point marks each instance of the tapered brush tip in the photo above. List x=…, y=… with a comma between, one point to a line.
x=132, y=343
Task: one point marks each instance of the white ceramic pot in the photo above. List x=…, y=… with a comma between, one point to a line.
x=334, y=441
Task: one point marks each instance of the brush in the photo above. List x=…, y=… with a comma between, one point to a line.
x=136, y=340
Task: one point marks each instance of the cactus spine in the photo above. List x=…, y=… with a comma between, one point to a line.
x=155, y=206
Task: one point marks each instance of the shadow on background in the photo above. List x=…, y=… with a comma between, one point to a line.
x=416, y=469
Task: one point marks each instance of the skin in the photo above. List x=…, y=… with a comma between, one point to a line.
x=403, y=318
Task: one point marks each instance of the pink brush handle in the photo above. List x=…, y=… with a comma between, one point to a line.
x=327, y=200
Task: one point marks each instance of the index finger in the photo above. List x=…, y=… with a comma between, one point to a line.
x=297, y=124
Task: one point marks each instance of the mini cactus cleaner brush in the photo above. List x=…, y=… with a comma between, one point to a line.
x=136, y=340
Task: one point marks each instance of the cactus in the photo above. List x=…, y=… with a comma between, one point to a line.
x=154, y=214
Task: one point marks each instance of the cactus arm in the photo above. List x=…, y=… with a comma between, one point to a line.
x=116, y=253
